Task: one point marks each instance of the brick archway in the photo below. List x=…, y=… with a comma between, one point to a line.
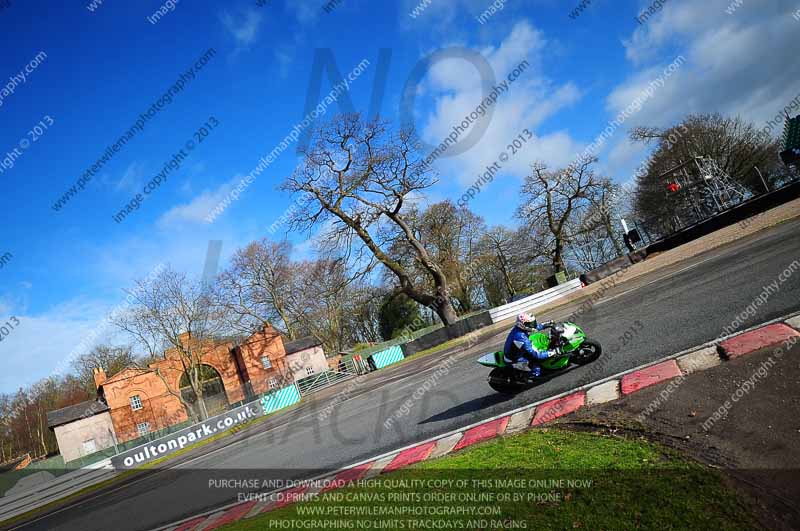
x=215, y=394
x=218, y=356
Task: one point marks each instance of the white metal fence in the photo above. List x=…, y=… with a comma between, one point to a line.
x=532, y=302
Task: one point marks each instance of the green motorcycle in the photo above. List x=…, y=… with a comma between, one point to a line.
x=507, y=378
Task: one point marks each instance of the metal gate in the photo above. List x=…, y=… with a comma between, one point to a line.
x=347, y=369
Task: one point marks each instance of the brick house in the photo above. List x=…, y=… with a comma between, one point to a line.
x=305, y=358
x=141, y=401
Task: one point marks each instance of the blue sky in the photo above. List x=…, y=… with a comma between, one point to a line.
x=103, y=68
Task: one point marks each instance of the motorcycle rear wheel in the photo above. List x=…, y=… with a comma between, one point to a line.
x=503, y=381
x=588, y=352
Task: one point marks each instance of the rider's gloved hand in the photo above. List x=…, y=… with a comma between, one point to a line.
x=552, y=353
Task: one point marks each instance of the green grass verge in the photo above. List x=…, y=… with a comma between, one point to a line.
x=574, y=480
x=364, y=349
x=433, y=350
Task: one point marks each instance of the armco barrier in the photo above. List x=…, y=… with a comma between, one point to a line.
x=739, y=213
x=474, y=322
x=607, y=269
x=527, y=304
x=749, y=208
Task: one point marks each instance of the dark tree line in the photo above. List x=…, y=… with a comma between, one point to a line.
x=750, y=158
x=23, y=415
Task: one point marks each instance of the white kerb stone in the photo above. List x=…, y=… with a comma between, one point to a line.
x=605, y=392
x=521, y=420
x=699, y=360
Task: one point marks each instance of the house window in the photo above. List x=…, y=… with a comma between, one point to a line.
x=309, y=371
x=265, y=361
x=143, y=428
x=273, y=383
x=136, y=402
x=89, y=447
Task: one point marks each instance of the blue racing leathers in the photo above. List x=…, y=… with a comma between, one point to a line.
x=518, y=345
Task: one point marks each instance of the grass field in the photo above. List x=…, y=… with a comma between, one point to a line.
x=542, y=479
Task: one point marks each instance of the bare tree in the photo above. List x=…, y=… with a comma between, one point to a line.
x=355, y=180
x=22, y=404
x=173, y=311
x=308, y=297
x=43, y=397
x=109, y=358
x=363, y=303
x=591, y=246
x=23, y=416
x=452, y=234
x=260, y=286
x=498, y=260
x=599, y=218
x=322, y=310
x=553, y=200
x=511, y=263
x=739, y=147
x=6, y=430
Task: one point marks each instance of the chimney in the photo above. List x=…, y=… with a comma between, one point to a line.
x=99, y=377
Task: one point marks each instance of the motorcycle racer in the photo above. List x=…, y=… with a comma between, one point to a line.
x=518, y=345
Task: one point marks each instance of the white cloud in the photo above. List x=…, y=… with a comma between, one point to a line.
x=284, y=56
x=243, y=26
x=451, y=17
x=44, y=339
x=624, y=159
x=624, y=153
x=286, y=52
x=132, y=179
x=308, y=248
x=196, y=210
x=741, y=64
x=532, y=99
x=28, y=358
x=306, y=11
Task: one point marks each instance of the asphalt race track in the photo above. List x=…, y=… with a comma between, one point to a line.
x=676, y=308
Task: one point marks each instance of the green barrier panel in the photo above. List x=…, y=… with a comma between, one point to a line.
x=387, y=357
x=280, y=399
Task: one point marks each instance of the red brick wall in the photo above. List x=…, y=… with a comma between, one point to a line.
x=266, y=343
x=160, y=408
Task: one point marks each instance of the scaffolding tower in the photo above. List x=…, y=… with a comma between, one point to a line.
x=702, y=193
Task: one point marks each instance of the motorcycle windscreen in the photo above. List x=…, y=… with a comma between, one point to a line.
x=574, y=336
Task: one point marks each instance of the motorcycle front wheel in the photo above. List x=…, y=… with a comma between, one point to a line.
x=588, y=352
